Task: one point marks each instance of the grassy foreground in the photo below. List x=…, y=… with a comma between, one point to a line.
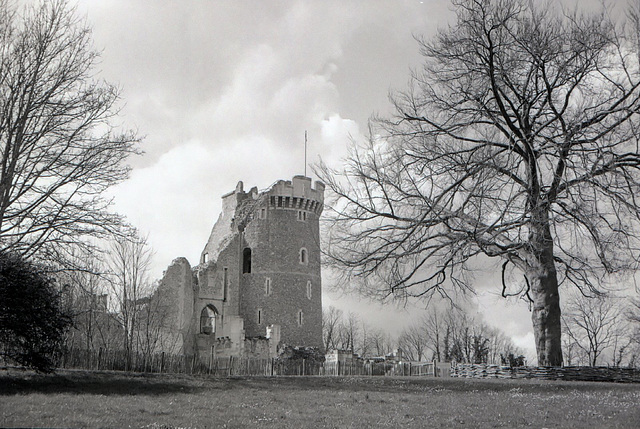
x=110, y=399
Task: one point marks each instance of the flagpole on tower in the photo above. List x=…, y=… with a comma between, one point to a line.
x=305, y=153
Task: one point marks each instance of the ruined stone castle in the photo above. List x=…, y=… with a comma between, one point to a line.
x=257, y=284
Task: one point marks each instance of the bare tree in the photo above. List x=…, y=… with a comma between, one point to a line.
x=413, y=342
x=517, y=140
x=633, y=316
x=364, y=344
x=594, y=325
x=88, y=304
x=153, y=323
x=59, y=147
x=381, y=343
x=350, y=333
x=433, y=325
x=456, y=336
x=129, y=260
x=331, y=319
x=501, y=347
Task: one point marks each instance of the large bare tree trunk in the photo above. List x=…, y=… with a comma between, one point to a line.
x=543, y=280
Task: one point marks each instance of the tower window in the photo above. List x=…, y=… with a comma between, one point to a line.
x=225, y=283
x=303, y=256
x=208, y=320
x=246, y=260
x=302, y=215
x=300, y=317
x=205, y=258
x=309, y=289
x=262, y=213
x=267, y=286
x=259, y=316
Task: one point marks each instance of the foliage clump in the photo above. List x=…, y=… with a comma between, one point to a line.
x=33, y=321
x=291, y=353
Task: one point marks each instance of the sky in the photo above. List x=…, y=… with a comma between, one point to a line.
x=224, y=91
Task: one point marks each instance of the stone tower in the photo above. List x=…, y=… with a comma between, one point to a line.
x=262, y=262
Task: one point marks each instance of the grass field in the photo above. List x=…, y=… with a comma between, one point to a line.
x=109, y=399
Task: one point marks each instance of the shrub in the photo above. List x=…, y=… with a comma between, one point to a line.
x=32, y=319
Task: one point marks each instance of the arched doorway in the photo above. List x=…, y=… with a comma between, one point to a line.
x=208, y=320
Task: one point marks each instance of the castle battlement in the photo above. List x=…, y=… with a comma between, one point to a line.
x=297, y=194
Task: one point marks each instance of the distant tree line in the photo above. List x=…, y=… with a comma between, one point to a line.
x=601, y=330
x=446, y=336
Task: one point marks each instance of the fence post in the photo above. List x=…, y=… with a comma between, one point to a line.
x=211, y=360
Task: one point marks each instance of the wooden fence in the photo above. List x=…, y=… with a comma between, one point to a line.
x=572, y=373
x=117, y=360
x=378, y=368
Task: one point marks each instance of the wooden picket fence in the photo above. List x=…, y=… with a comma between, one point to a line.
x=402, y=369
x=116, y=360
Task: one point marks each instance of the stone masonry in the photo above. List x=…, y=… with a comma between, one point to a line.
x=257, y=284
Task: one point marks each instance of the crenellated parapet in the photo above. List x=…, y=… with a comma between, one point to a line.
x=297, y=194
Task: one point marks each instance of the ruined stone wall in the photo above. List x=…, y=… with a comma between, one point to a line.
x=219, y=281
x=176, y=291
x=256, y=347
x=228, y=340
x=219, y=287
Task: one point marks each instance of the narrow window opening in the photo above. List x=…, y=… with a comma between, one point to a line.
x=205, y=258
x=225, y=283
x=263, y=213
x=259, y=316
x=267, y=286
x=300, y=318
x=246, y=260
x=303, y=256
x=309, y=289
